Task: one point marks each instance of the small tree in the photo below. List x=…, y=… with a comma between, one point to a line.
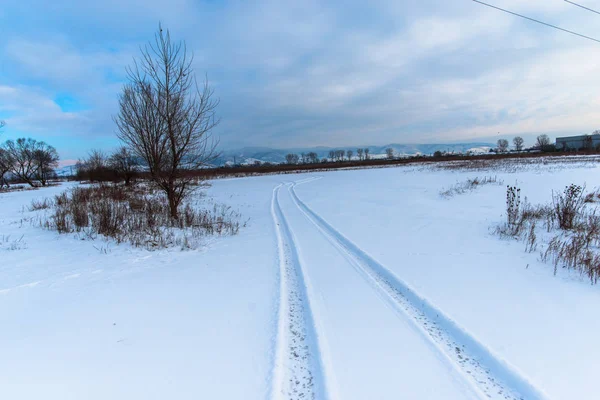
x=389, y=153
x=313, y=157
x=5, y=166
x=359, y=152
x=124, y=164
x=502, y=145
x=21, y=153
x=588, y=142
x=518, y=143
x=95, y=167
x=366, y=151
x=349, y=154
x=166, y=118
x=542, y=142
x=45, y=158
x=332, y=155
x=292, y=158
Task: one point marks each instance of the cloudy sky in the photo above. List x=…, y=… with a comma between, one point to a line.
x=307, y=73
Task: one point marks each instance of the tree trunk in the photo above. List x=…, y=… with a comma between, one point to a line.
x=173, y=205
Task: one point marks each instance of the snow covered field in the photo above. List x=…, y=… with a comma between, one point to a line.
x=358, y=284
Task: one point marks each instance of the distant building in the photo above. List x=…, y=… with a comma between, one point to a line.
x=578, y=142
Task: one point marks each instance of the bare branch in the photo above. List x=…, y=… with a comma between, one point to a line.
x=166, y=118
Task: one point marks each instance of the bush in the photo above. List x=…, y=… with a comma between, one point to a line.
x=568, y=205
x=577, y=251
x=138, y=216
x=575, y=246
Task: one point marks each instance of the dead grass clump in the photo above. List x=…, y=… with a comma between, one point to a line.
x=592, y=197
x=578, y=252
x=576, y=242
x=139, y=216
x=6, y=243
x=469, y=185
x=568, y=205
x=37, y=205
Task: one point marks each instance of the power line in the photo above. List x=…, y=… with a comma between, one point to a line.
x=538, y=21
x=584, y=7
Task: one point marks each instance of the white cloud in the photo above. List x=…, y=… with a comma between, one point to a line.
x=311, y=72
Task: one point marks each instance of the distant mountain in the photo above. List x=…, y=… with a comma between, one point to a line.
x=64, y=171
x=250, y=155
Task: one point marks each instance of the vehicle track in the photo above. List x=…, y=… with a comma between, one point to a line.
x=489, y=375
x=298, y=368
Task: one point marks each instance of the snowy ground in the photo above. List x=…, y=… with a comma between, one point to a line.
x=358, y=284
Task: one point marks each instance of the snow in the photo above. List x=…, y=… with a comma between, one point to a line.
x=359, y=283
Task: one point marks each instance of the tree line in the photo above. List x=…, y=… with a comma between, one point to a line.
x=27, y=160
x=542, y=143
x=333, y=156
x=120, y=166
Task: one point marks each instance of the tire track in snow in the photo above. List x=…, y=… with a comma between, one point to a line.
x=298, y=368
x=486, y=372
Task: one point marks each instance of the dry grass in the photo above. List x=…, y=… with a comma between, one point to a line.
x=40, y=204
x=470, y=185
x=139, y=216
x=517, y=164
x=573, y=230
x=16, y=188
x=592, y=197
x=10, y=244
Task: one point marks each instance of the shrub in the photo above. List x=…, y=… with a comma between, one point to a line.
x=575, y=252
x=139, y=216
x=568, y=205
x=40, y=204
x=576, y=244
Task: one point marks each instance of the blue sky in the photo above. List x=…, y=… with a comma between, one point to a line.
x=308, y=73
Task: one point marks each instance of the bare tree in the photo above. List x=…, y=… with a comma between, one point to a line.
x=588, y=142
x=332, y=155
x=366, y=150
x=340, y=154
x=349, y=154
x=292, y=158
x=21, y=153
x=96, y=159
x=5, y=166
x=389, y=153
x=45, y=158
x=313, y=157
x=166, y=118
x=502, y=145
x=94, y=168
x=518, y=143
x=359, y=152
x=124, y=164
x=542, y=142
